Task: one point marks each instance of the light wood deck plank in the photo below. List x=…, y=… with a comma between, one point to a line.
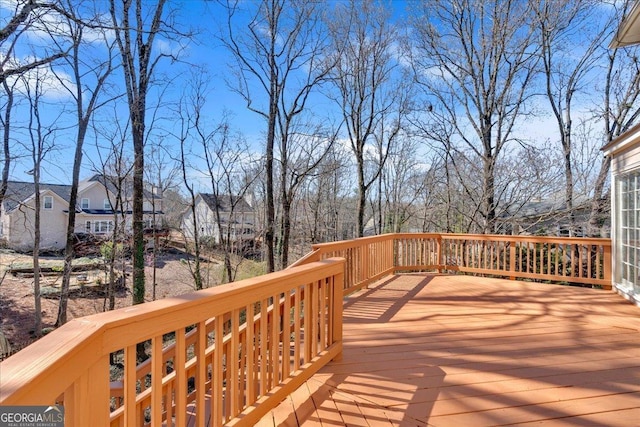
x=461, y=350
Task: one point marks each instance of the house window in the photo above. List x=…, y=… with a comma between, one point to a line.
x=84, y=204
x=48, y=202
x=102, y=227
x=87, y=227
x=107, y=204
x=629, y=231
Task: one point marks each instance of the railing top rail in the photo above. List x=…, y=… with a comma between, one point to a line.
x=541, y=239
x=344, y=244
x=82, y=341
x=341, y=244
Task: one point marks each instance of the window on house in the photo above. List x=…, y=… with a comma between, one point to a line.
x=87, y=227
x=107, y=204
x=47, y=202
x=84, y=204
x=629, y=230
x=102, y=227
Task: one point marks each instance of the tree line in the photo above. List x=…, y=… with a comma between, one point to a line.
x=447, y=116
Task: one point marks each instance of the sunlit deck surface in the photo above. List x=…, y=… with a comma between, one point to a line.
x=466, y=351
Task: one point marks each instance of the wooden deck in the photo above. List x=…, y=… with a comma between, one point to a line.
x=423, y=350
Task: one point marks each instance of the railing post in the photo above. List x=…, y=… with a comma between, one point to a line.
x=365, y=263
x=607, y=262
x=336, y=312
x=439, y=254
x=512, y=259
x=86, y=402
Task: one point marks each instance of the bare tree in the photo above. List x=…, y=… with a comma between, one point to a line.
x=135, y=39
x=476, y=60
x=300, y=156
x=28, y=16
x=567, y=74
x=162, y=172
x=282, y=49
x=88, y=81
x=401, y=185
x=231, y=176
x=40, y=136
x=6, y=121
x=115, y=170
x=620, y=111
x=371, y=94
x=184, y=113
x=326, y=197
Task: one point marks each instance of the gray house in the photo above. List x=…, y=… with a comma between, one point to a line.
x=236, y=215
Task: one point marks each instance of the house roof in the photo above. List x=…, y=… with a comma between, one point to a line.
x=109, y=182
x=629, y=30
x=18, y=192
x=624, y=141
x=225, y=202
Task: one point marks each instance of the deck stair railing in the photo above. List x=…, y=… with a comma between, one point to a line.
x=227, y=355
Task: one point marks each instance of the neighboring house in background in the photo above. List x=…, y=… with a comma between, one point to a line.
x=17, y=215
x=95, y=212
x=241, y=221
x=550, y=217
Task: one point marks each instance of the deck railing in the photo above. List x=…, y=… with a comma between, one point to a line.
x=225, y=355
x=555, y=259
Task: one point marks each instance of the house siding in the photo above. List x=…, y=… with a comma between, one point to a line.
x=625, y=159
x=21, y=225
x=208, y=225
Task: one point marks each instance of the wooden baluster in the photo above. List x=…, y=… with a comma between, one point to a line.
x=217, y=386
x=286, y=335
x=308, y=334
x=336, y=311
x=263, y=346
x=296, y=327
x=275, y=342
x=512, y=259
x=181, y=378
x=156, y=381
x=232, y=364
x=250, y=377
x=323, y=315
x=201, y=373
x=130, y=407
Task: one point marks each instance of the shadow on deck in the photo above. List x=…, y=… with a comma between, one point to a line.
x=443, y=350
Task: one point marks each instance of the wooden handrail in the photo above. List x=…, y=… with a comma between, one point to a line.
x=247, y=374
x=576, y=260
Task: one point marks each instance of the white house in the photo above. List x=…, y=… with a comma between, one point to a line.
x=96, y=211
x=235, y=212
x=625, y=207
x=625, y=186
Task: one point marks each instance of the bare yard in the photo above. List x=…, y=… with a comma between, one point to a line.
x=17, y=298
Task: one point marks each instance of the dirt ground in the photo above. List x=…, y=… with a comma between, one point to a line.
x=17, y=298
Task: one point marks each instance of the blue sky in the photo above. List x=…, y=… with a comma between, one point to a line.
x=201, y=17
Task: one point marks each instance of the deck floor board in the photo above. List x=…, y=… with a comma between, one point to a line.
x=438, y=350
